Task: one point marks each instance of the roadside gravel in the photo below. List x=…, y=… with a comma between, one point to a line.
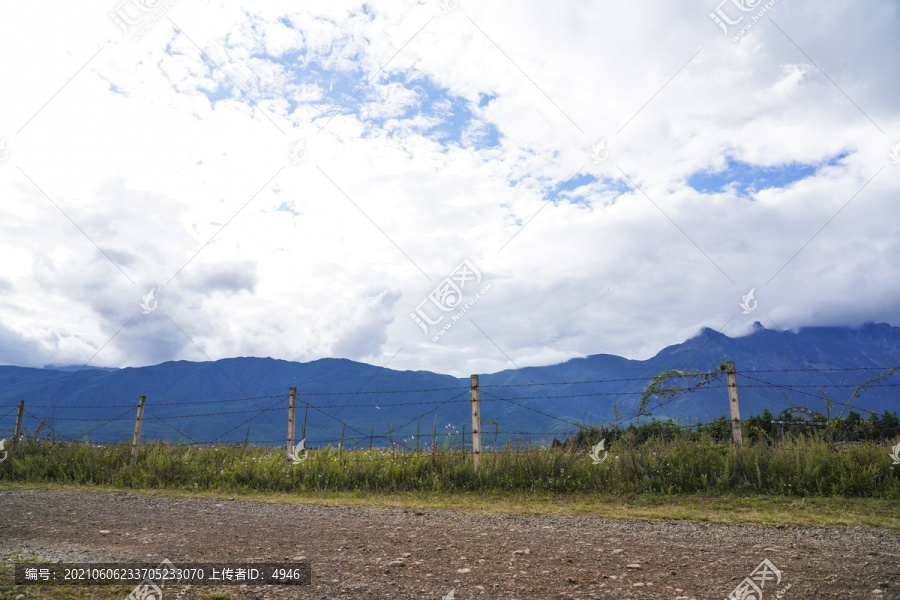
x=368, y=553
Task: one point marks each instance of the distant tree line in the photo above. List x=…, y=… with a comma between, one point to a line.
x=757, y=428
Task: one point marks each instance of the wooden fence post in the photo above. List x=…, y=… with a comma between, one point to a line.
x=476, y=423
x=371, y=436
x=138, y=421
x=292, y=408
x=19, y=421
x=341, y=447
x=733, y=403
x=434, y=436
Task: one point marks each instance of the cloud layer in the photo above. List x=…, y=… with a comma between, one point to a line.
x=620, y=175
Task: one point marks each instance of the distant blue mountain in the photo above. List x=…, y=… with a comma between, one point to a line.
x=237, y=398
x=71, y=368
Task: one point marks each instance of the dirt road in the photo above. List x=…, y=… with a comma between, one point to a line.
x=391, y=554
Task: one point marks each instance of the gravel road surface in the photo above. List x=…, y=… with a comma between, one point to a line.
x=395, y=554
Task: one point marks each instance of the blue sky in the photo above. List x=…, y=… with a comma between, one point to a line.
x=340, y=179
x=745, y=179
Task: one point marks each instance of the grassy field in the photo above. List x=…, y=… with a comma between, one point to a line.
x=805, y=481
x=728, y=508
x=802, y=467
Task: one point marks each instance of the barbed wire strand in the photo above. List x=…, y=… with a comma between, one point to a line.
x=491, y=397
x=173, y=427
x=148, y=404
x=531, y=409
x=769, y=383
x=248, y=420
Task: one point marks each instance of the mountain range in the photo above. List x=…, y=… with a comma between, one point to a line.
x=237, y=399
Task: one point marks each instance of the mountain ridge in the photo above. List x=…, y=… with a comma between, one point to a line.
x=200, y=400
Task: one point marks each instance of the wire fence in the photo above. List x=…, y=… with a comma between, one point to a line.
x=517, y=403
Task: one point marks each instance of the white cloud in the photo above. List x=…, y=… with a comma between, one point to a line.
x=155, y=186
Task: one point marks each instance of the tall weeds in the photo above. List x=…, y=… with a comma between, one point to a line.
x=802, y=466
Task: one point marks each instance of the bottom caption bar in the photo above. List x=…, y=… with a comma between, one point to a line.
x=167, y=573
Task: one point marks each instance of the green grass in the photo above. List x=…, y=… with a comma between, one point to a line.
x=804, y=481
x=802, y=467
x=727, y=509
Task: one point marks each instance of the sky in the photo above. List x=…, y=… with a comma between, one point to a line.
x=444, y=185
